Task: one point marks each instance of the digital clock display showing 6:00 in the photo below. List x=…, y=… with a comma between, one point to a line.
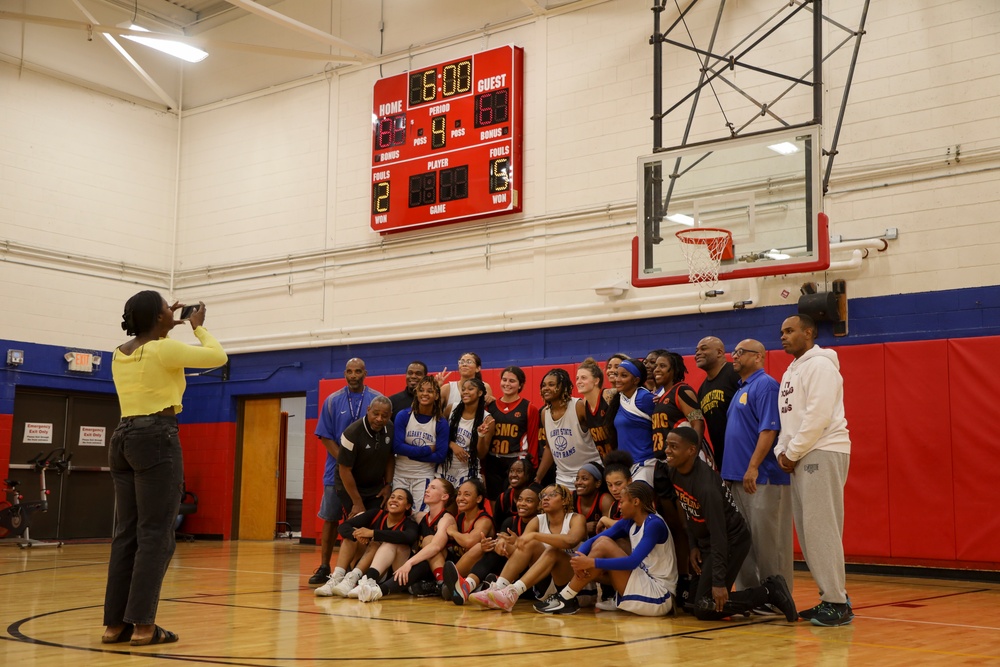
x=446, y=142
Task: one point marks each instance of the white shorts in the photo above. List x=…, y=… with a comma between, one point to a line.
x=416, y=486
x=645, y=596
x=643, y=471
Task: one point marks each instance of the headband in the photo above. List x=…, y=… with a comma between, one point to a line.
x=630, y=366
x=594, y=471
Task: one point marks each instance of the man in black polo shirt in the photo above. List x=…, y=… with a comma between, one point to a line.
x=365, y=464
x=415, y=372
x=716, y=391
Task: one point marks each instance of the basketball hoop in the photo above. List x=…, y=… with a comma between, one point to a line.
x=704, y=249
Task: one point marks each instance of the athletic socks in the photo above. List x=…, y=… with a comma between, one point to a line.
x=519, y=587
x=439, y=574
x=502, y=583
x=567, y=593
x=339, y=572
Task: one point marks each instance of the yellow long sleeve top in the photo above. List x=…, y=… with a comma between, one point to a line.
x=152, y=377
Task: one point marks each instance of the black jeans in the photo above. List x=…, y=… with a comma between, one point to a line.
x=148, y=473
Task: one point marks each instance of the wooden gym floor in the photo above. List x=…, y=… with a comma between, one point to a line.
x=247, y=603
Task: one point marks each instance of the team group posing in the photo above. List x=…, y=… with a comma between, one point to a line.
x=642, y=494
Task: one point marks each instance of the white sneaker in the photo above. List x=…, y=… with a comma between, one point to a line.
x=370, y=592
x=355, y=590
x=607, y=605
x=330, y=587
x=345, y=585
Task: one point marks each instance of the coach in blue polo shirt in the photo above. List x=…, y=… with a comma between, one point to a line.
x=760, y=488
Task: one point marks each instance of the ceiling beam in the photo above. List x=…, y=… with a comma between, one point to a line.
x=299, y=26
x=136, y=67
x=206, y=43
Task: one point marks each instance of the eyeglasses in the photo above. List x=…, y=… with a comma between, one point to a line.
x=739, y=352
x=551, y=494
x=466, y=362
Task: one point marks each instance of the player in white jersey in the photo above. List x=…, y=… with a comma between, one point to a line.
x=644, y=580
x=546, y=551
x=568, y=443
x=469, y=366
x=470, y=433
x=421, y=441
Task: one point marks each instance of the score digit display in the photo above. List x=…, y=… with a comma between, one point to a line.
x=446, y=142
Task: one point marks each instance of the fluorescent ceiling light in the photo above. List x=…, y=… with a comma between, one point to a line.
x=168, y=46
x=773, y=253
x=785, y=148
x=681, y=219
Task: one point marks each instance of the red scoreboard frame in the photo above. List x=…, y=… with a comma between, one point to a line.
x=446, y=142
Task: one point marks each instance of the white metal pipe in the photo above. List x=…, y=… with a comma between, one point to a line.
x=857, y=258
x=875, y=243
x=322, y=338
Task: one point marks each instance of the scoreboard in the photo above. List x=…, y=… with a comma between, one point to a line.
x=446, y=142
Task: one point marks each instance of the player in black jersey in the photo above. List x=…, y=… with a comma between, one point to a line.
x=590, y=384
x=519, y=476
x=363, y=535
x=472, y=524
x=494, y=549
x=589, y=498
x=425, y=568
x=515, y=431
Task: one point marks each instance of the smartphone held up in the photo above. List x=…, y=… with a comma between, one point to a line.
x=188, y=311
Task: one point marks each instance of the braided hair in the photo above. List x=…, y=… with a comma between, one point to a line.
x=456, y=418
x=564, y=384
x=141, y=312
x=436, y=408
x=645, y=494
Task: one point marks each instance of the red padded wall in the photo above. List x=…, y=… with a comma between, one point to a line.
x=209, y=473
x=6, y=432
x=974, y=388
x=866, y=496
x=918, y=439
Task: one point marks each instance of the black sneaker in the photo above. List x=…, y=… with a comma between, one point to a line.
x=451, y=577
x=424, y=589
x=486, y=583
x=779, y=595
x=320, y=576
x=831, y=614
x=556, y=604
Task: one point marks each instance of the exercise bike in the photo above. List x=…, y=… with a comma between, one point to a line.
x=15, y=516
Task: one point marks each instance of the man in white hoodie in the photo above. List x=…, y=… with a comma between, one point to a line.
x=815, y=447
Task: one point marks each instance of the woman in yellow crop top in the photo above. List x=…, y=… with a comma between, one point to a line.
x=146, y=464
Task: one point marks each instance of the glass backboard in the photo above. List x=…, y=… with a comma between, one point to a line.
x=764, y=189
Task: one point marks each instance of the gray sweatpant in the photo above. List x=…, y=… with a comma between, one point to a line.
x=818, y=508
x=769, y=514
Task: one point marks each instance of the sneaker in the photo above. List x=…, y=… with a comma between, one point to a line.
x=809, y=614
x=489, y=582
x=831, y=615
x=462, y=591
x=483, y=598
x=424, y=589
x=556, y=604
x=779, y=595
x=336, y=586
x=320, y=576
x=503, y=598
x=370, y=592
x=451, y=577
x=355, y=591
x=608, y=604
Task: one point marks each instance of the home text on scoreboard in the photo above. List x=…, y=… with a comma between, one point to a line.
x=446, y=142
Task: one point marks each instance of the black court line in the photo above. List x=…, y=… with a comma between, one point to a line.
x=57, y=567
x=14, y=630
x=932, y=597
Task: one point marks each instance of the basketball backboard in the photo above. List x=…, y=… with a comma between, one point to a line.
x=765, y=189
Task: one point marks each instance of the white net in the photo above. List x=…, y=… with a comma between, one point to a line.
x=703, y=250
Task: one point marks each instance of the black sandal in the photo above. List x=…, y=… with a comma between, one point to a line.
x=159, y=636
x=124, y=635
